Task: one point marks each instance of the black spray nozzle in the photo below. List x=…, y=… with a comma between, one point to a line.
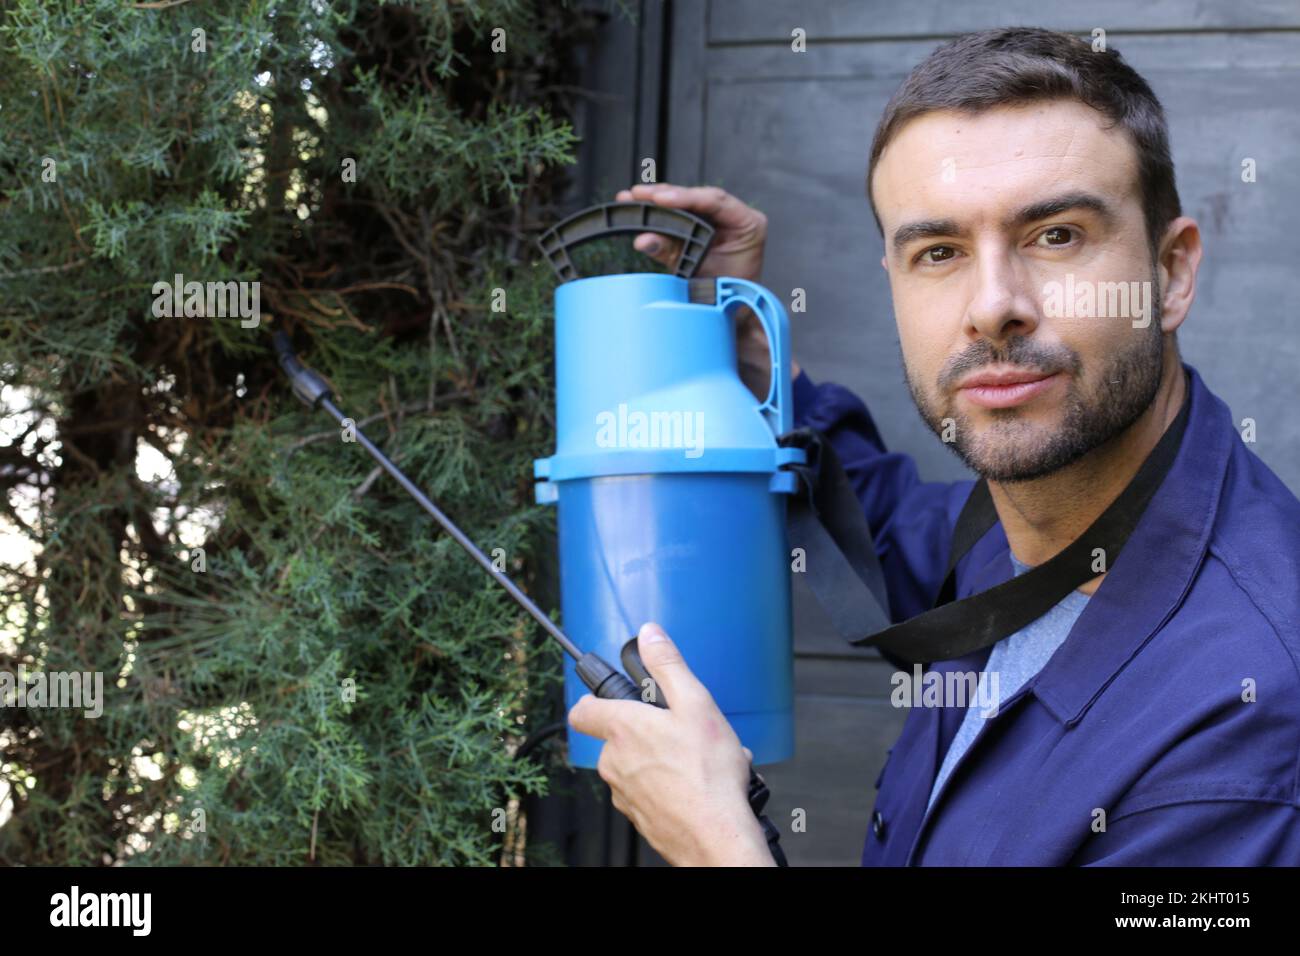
x=307, y=384
x=604, y=680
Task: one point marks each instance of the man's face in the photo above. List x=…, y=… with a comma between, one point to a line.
x=997, y=229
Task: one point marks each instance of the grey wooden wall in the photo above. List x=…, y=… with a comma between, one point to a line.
x=713, y=91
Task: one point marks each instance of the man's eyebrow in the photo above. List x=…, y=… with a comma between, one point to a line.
x=1047, y=208
x=1043, y=209
x=926, y=228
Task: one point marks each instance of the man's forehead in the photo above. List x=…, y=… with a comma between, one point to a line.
x=982, y=165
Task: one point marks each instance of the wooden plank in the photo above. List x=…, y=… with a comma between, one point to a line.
x=836, y=677
x=605, y=113
x=651, y=102
x=841, y=746
x=688, y=83
x=759, y=21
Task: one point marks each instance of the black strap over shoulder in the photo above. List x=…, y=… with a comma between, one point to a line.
x=826, y=520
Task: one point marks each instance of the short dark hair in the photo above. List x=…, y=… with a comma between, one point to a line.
x=979, y=71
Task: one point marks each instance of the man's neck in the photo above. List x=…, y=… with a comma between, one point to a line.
x=1043, y=516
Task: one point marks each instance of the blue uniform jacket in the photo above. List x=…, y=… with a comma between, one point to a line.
x=1165, y=730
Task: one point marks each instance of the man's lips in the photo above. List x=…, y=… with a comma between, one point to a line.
x=1005, y=387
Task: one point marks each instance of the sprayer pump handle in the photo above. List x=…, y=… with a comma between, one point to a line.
x=611, y=218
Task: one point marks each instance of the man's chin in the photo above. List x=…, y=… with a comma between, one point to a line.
x=997, y=455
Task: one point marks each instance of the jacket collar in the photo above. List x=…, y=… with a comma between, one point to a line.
x=1154, y=570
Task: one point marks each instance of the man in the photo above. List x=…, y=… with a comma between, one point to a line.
x=1153, y=716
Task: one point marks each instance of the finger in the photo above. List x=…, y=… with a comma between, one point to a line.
x=660, y=248
x=664, y=662
x=712, y=202
x=646, y=190
x=599, y=718
x=663, y=249
x=641, y=192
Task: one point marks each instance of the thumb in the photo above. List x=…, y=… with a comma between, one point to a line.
x=664, y=662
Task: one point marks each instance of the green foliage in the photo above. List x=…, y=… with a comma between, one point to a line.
x=298, y=667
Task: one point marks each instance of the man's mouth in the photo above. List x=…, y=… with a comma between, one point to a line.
x=1005, y=386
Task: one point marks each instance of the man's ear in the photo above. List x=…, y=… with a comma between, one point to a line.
x=1180, y=257
x=884, y=263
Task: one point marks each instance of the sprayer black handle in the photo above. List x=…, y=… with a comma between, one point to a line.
x=630, y=655
x=611, y=218
x=758, y=792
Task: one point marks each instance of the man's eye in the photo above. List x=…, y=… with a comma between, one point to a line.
x=938, y=254
x=1056, y=236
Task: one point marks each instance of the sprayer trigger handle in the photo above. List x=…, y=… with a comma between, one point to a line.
x=635, y=669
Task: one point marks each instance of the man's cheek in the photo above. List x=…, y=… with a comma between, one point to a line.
x=912, y=343
x=925, y=329
x=924, y=360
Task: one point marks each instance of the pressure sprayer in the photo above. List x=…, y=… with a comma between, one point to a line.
x=587, y=666
x=668, y=476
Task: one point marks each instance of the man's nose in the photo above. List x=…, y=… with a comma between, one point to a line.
x=1002, y=304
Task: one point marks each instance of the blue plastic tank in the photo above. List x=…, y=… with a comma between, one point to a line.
x=670, y=491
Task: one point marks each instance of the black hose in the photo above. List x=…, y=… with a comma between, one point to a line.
x=538, y=737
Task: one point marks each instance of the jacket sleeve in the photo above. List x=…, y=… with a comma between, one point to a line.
x=911, y=521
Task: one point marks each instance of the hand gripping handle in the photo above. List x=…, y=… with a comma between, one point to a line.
x=757, y=792
x=611, y=218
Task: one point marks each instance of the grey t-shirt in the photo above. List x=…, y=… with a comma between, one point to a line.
x=1015, y=659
